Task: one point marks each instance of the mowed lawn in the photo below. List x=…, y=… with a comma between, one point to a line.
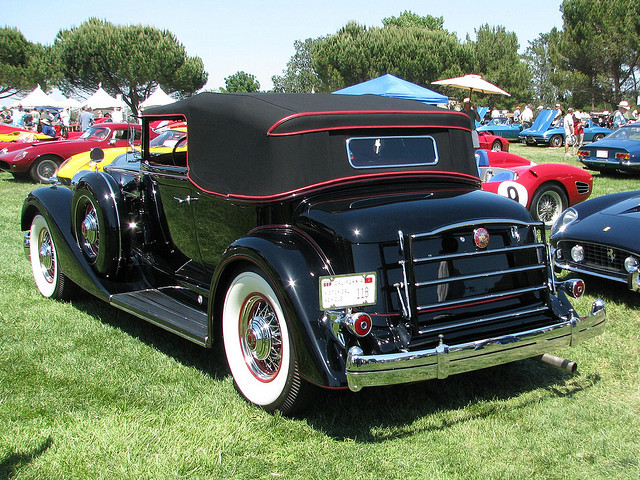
x=87, y=391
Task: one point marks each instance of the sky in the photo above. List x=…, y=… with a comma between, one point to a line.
x=257, y=36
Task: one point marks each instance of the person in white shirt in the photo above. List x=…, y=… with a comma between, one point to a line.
x=569, y=136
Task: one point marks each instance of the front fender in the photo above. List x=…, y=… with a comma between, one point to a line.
x=54, y=204
x=294, y=265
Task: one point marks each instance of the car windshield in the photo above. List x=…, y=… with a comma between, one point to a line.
x=96, y=133
x=168, y=138
x=378, y=152
x=630, y=132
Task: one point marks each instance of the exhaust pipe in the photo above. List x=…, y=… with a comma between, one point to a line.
x=558, y=362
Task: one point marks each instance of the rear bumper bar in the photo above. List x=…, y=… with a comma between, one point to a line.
x=445, y=360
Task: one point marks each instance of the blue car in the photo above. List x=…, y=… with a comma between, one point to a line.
x=502, y=127
x=542, y=133
x=618, y=151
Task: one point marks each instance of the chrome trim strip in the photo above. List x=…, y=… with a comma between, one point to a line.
x=571, y=268
x=470, y=300
x=445, y=360
x=480, y=221
x=523, y=313
x=454, y=256
x=481, y=275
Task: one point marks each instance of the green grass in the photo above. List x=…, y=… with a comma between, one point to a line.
x=89, y=392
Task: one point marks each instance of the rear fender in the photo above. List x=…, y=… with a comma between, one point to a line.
x=54, y=204
x=294, y=265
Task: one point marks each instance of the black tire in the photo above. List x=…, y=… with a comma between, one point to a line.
x=496, y=146
x=556, y=141
x=96, y=229
x=48, y=276
x=258, y=345
x=598, y=136
x=44, y=168
x=547, y=203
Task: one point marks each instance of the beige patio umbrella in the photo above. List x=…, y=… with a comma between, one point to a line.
x=475, y=83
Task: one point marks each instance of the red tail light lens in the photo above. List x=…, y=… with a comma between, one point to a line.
x=623, y=156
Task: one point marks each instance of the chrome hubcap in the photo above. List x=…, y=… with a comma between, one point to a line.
x=261, y=338
x=89, y=231
x=46, y=256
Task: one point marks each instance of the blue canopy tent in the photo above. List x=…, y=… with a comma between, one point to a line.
x=390, y=86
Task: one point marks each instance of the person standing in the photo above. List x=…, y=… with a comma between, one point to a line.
x=619, y=118
x=65, y=118
x=527, y=115
x=516, y=115
x=578, y=129
x=568, y=131
x=86, y=119
x=18, y=117
x=117, y=115
x=472, y=113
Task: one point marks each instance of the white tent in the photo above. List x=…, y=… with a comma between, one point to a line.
x=157, y=98
x=101, y=100
x=37, y=98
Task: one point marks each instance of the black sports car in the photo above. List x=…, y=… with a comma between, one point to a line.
x=338, y=241
x=599, y=237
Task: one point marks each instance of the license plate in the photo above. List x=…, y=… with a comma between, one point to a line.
x=343, y=291
x=602, y=154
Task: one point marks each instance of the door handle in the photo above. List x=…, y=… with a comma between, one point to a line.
x=187, y=200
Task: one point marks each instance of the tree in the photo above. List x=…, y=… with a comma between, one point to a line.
x=128, y=60
x=241, y=82
x=23, y=64
x=403, y=47
x=496, y=58
x=300, y=76
x=601, y=40
x=408, y=19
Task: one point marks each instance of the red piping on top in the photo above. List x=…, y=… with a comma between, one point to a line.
x=360, y=112
x=352, y=127
x=338, y=181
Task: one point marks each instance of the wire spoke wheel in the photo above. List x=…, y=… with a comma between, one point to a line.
x=258, y=345
x=49, y=279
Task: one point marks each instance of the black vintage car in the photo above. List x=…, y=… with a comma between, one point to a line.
x=325, y=240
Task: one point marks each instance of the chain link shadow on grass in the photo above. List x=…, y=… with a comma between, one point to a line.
x=13, y=463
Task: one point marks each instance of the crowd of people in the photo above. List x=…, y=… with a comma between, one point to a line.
x=56, y=121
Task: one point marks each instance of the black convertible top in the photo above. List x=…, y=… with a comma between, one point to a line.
x=265, y=146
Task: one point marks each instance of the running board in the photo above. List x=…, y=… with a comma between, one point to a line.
x=166, y=312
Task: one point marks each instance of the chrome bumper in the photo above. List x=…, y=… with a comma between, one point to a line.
x=446, y=360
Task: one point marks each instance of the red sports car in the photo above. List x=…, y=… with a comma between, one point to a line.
x=496, y=143
x=41, y=160
x=545, y=190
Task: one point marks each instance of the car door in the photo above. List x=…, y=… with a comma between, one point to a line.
x=175, y=198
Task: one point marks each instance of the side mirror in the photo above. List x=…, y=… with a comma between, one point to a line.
x=96, y=154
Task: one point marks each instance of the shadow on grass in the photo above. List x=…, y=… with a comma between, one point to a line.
x=210, y=361
x=378, y=414
x=10, y=465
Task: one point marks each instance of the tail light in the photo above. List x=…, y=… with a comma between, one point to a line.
x=359, y=324
x=623, y=156
x=583, y=153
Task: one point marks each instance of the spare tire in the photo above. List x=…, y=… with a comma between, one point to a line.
x=95, y=220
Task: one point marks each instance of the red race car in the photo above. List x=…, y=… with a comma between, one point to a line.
x=489, y=141
x=545, y=190
x=41, y=160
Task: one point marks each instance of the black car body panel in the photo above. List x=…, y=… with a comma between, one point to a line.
x=363, y=216
x=604, y=234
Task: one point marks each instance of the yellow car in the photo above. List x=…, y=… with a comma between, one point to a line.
x=25, y=137
x=163, y=143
